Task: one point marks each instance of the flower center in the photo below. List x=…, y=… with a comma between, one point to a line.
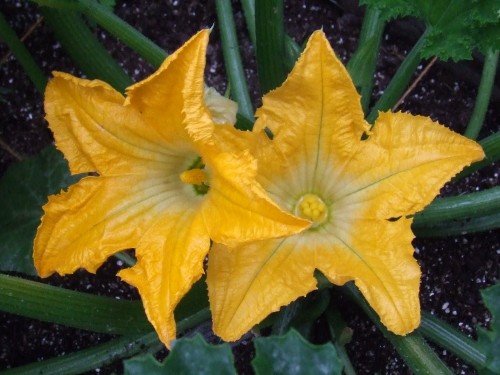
x=312, y=207
x=196, y=176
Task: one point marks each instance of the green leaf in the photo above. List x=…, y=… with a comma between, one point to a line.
x=188, y=356
x=489, y=340
x=24, y=189
x=143, y=364
x=456, y=27
x=291, y=354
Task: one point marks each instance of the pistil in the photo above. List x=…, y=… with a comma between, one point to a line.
x=198, y=178
x=312, y=207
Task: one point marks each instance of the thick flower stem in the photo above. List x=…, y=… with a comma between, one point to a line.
x=285, y=317
x=491, y=147
x=115, y=26
x=123, y=31
x=483, y=95
x=460, y=227
x=270, y=43
x=470, y=205
x=400, y=80
x=292, y=49
x=341, y=335
x=419, y=357
x=9, y=37
x=73, y=309
x=362, y=64
x=232, y=58
x=89, y=359
x=248, y=7
x=450, y=339
x=84, y=47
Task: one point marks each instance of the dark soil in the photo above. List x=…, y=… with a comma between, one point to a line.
x=454, y=269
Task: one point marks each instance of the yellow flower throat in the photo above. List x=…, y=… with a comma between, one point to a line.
x=312, y=207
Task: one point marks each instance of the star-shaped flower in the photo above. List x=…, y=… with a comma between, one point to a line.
x=168, y=180
x=359, y=188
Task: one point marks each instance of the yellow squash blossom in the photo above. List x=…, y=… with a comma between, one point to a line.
x=357, y=186
x=167, y=181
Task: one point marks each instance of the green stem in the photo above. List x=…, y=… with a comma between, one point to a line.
x=285, y=317
x=84, y=48
x=193, y=320
x=89, y=359
x=400, y=80
x=232, y=58
x=471, y=205
x=144, y=46
x=74, y=309
x=126, y=259
x=483, y=95
x=362, y=64
x=491, y=147
x=452, y=340
x=341, y=335
x=270, y=36
x=18, y=49
x=292, y=49
x=249, y=13
x=419, y=357
x=453, y=228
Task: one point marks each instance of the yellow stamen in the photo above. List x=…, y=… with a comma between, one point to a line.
x=194, y=176
x=312, y=207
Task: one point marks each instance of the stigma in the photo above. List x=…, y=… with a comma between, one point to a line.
x=194, y=176
x=312, y=207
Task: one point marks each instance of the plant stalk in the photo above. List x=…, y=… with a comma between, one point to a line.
x=270, y=37
x=470, y=205
x=412, y=348
x=84, y=48
x=22, y=55
x=452, y=340
x=232, y=59
x=362, y=64
x=400, y=80
x=483, y=94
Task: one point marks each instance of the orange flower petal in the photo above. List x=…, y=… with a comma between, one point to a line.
x=246, y=283
x=96, y=218
x=402, y=166
x=169, y=261
x=238, y=210
x=175, y=88
x=378, y=256
x=93, y=129
x=315, y=112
